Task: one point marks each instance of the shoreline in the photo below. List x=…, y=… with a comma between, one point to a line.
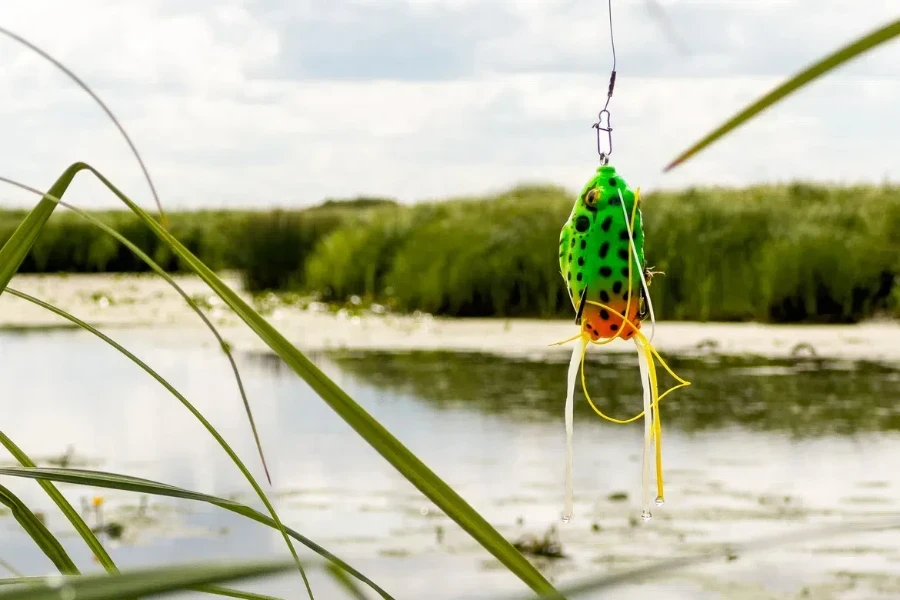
x=149, y=304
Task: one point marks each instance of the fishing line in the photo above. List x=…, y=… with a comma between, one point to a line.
x=604, y=154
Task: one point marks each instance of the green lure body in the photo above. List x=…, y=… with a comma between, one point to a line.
x=595, y=252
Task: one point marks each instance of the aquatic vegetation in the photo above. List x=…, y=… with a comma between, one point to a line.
x=727, y=253
x=547, y=546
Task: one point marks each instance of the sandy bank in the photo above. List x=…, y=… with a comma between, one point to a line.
x=149, y=303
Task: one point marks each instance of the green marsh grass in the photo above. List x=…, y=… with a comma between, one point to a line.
x=153, y=265
x=69, y=244
x=764, y=253
x=35, y=529
x=788, y=253
x=103, y=480
x=379, y=438
x=275, y=245
x=504, y=278
x=791, y=253
x=12, y=253
x=142, y=583
x=21, y=242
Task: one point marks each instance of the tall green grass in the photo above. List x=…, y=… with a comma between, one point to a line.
x=20, y=245
x=69, y=244
x=269, y=244
x=275, y=245
x=445, y=498
x=790, y=253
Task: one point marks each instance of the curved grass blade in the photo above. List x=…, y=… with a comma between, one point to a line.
x=23, y=580
x=84, y=86
x=168, y=278
x=127, y=483
x=67, y=509
x=10, y=568
x=25, y=461
x=13, y=253
x=197, y=414
x=144, y=583
x=347, y=584
x=36, y=530
x=76, y=520
x=102, y=105
x=20, y=242
x=633, y=576
x=409, y=465
x=10, y=259
x=515, y=557
x=230, y=592
x=830, y=62
x=82, y=528
x=37, y=580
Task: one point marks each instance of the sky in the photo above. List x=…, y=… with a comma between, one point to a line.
x=256, y=103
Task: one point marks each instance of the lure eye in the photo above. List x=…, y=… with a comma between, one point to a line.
x=591, y=197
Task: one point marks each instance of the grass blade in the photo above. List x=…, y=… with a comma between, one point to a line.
x=67, y=509
x=115, y=481
x=23, y=580
x=82, y=528
x=199, y=416
x=84, y=86
x=20, y=242
x=144, y=583
x=34, y=580
x=347, y=584
x=190, y=301
x=830, y=62
x=76, y=519
x=38, y=532
x=409, y=465
x=230, y=592
x=10, y=568
x=13, y=253
x=102, y=105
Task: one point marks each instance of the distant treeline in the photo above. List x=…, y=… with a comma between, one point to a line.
x=789, y=253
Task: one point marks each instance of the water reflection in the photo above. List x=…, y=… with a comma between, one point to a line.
x=805, y=396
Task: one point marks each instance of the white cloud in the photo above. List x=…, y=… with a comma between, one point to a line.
x=264, y=102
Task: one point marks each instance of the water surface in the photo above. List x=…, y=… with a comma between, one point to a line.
x=753, y=447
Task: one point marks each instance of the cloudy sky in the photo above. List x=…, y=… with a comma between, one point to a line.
x=286, y=102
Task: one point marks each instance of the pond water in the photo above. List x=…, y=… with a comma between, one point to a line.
x=754, y=447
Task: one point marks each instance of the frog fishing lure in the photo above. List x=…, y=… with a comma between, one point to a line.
x=601, y=259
